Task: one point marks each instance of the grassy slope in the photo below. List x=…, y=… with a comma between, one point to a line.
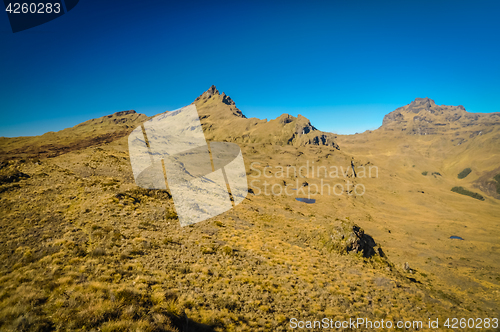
x=422, y=213
x=89, y=133
x=83, y=246
x=106, y=254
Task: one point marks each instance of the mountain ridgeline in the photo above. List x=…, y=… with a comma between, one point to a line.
x=222, y=120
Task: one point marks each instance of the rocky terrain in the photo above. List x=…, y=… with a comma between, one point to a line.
x=423, y=117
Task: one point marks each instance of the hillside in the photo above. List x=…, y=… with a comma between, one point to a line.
x=84, y=248
x=420, y=150
x=445, y=138
x=89, y=133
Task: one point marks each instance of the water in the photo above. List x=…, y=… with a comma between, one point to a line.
x=456, y=237
x=306, y=200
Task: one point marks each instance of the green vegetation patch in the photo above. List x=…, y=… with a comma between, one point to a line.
x=463, y=191
x=424, y=173
x=497, y=179
x=464, y=173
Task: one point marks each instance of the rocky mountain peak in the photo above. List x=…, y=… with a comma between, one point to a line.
x=213, y=97
x=123, y=113
x=423, y=117
x=212, y=91
x=421, y=103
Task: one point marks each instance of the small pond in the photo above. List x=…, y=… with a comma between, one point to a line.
x=306, y=200
x=456, y=237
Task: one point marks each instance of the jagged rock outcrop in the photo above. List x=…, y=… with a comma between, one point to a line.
x=346, y=237
x=122, y=113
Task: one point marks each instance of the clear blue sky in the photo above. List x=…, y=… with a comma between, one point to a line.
x=342, y=64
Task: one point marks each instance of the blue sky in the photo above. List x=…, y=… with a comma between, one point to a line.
x=342, y=64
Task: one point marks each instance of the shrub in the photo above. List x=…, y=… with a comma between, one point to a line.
x=227, y=250
x=464, y=173
x=424, y=173
x=497, y=179
x=463, y=191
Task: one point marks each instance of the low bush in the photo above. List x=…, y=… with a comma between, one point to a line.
x=464, y=173
x=463, y=191
x=497, y=179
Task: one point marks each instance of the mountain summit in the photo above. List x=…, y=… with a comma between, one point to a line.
x=423, y=117
x=213, y=92
x=222, y=120
x=212, y=95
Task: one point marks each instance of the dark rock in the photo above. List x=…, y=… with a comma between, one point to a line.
x=122, y=113
x=212, y=91
x=227, y=100
x=394, y=116
x=14, y=177
x=348, y=237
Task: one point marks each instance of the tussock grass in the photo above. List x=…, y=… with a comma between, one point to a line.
x=115, y=258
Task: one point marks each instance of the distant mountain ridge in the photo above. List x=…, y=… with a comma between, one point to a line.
x=223, y=121
x=423, y=117
x=89, y=133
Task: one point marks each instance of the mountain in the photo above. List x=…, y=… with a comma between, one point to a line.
x=82, y=247
x=222, y=120
x=423, y=117
x=446, y=138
